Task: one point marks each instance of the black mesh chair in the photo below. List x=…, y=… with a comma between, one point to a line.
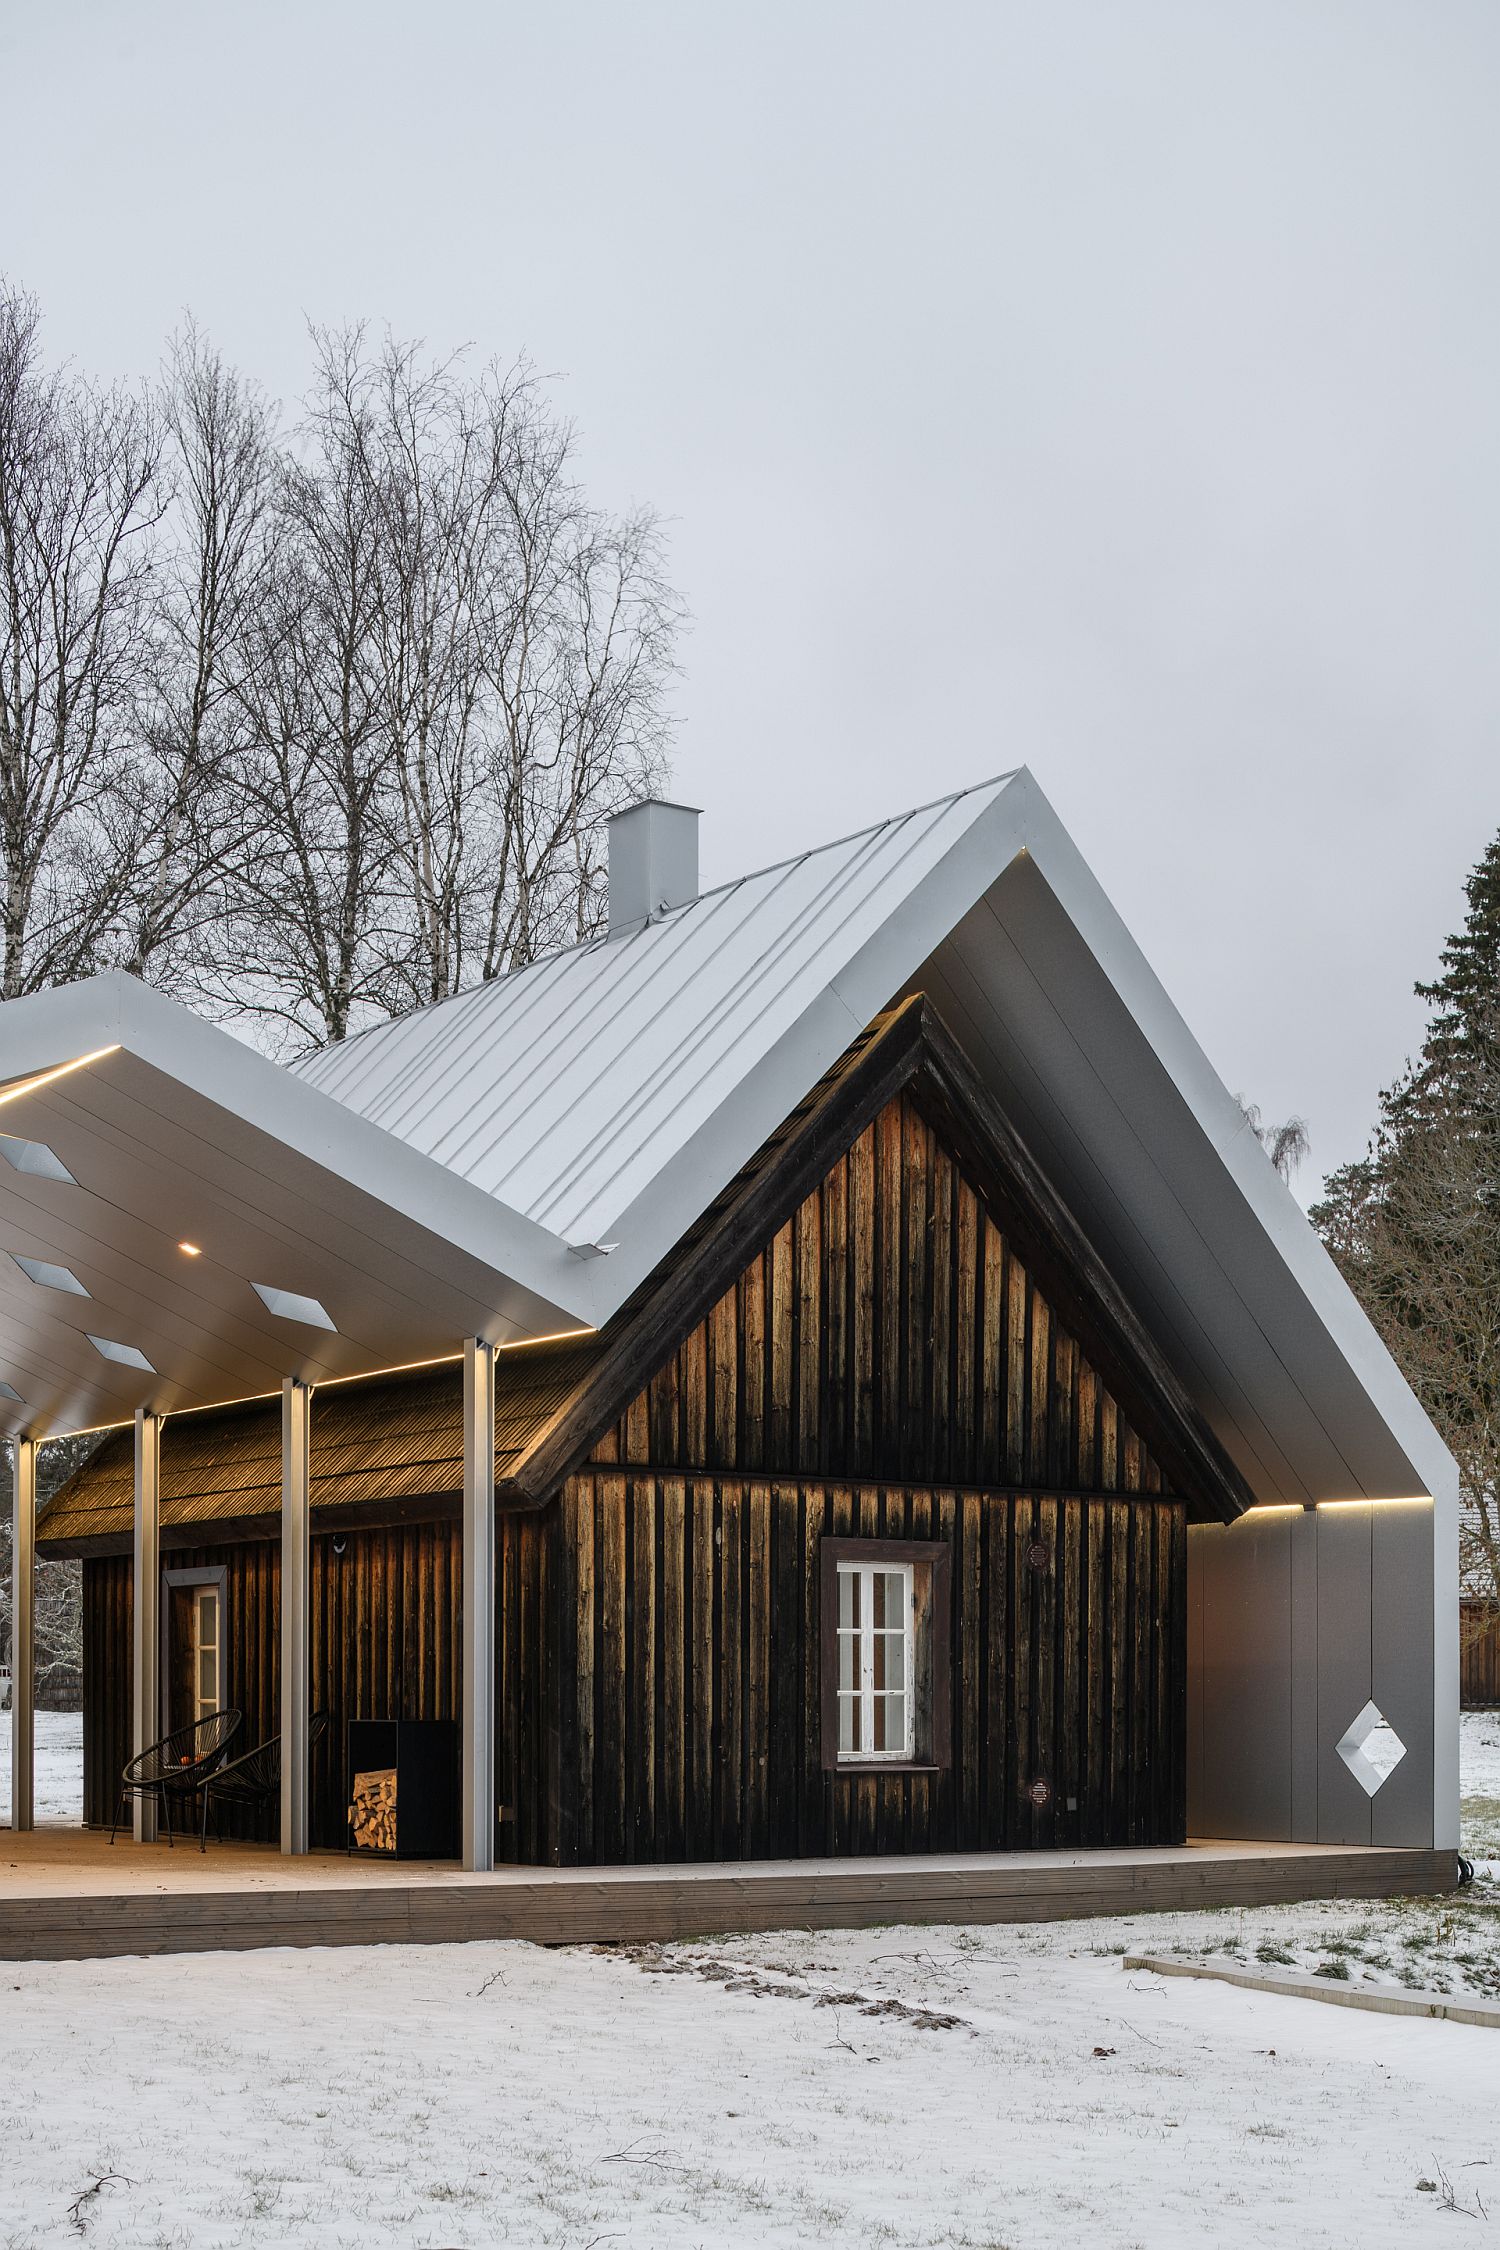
x=253, y=1779
x=176, y=1766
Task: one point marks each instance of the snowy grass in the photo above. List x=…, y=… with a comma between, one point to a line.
x=1449, y=1944
x=999, y=2088
x=1479, y=1781
x=59, y=1765
x=911, y=2088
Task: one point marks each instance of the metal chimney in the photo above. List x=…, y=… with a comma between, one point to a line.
x=653, y=862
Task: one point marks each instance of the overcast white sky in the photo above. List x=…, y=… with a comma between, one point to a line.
x=1111, y=388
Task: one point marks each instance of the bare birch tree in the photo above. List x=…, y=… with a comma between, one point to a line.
x=1287, y=1145
x=192, y=834
x=309, y=930
x=433, y=464
x=468, y=675
x=579, y=647
x=322, y=727
x=58, y=1620
x=80, y=498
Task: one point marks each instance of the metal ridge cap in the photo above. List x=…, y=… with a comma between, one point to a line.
x=851, y=836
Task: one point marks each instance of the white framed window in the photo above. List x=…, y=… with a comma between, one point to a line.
x=207, y=1653
x=194, y=1645
x=875, y=1700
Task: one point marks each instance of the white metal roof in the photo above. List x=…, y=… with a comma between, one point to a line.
x=567, y=1087
x=440, y=1176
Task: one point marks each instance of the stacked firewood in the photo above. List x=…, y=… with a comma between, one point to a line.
x=372, y=1816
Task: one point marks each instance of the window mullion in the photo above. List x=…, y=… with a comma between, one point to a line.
x=867, y=1655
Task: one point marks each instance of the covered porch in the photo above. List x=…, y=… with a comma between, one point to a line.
x=186, y=1227
x=279, y=1683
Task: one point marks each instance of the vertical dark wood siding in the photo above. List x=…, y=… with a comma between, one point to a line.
x=690, y=1630
x=386, y=1638
x=884, y=1366
x=888, y=1330
x=107, y=1612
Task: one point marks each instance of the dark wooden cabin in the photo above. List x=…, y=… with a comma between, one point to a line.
x=886, y=1349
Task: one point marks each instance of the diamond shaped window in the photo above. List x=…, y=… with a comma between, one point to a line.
x=287, y=1305
x=7, y=1392
x=123, y=1355
x=50, y=1277
x=1372, y=1749
x=34, y=1157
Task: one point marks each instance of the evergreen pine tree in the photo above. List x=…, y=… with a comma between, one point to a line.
x=1465, y=1000
x=1415, y=1226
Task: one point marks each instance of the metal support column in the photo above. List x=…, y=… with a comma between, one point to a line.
x=479, y=1607
x=145, y=1718
x=22, y=1648
x=296, y=1558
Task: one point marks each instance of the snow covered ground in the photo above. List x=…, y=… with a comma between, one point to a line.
x=59, y=1765
x=904, y=2087
x=978, y=2088
x=1479, y=1783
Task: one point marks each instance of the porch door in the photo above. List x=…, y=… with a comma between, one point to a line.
x=194, y=1670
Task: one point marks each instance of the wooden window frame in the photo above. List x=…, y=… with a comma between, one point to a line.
x=931, y=1686
x=865, y=1694
x=216, y=1575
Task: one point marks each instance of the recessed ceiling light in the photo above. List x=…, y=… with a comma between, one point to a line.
x=287, y=1305
x=123, y=1355
x=34, y=1157
x=50, y=1277
x=7, y=1392
x=190, y=1249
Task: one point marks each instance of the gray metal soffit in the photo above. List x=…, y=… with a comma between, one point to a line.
x=199, y=1170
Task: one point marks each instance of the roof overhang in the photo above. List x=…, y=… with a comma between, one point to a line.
x=1069, y=1028
x=173, y=1131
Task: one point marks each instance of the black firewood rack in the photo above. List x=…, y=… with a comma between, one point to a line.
x=424, y=1755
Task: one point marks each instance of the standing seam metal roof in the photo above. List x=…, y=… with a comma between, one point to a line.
x=563, y=1087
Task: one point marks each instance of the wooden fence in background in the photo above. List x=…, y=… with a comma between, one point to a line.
x=1479, y=1654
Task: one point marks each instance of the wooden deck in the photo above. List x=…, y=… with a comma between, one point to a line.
x=65, y=1894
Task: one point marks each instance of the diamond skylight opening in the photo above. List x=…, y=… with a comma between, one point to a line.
x=287, y=1305
x=50, y=1277
x=1372, y=1749
x=34, y=1157
x=123, y=1355
x=7, y=1392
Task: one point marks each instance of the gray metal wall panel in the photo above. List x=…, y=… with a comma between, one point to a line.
x=1402, y=1673
x=1244, y=1681
x=1344, y=1670
x=1304, y=1646
x=1202, y=1556
x=1297, y=1619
